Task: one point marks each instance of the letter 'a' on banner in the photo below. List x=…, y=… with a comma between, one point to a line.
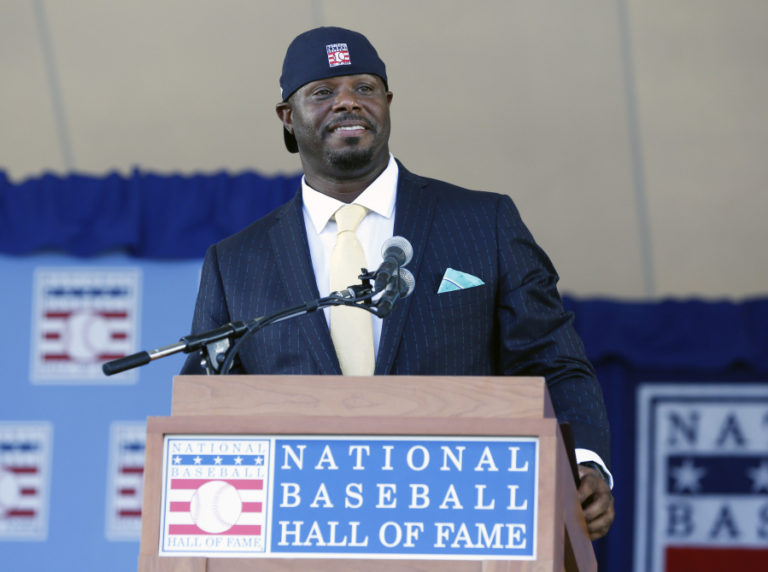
x=421, y=470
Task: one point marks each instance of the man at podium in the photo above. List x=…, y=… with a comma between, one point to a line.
x=485, y=300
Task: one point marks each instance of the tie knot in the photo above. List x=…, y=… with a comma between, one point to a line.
x=349, y=216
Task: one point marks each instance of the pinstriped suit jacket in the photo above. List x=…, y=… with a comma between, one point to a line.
x=512, y=325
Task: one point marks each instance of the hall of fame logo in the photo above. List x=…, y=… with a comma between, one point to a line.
x=82, y=318
x=125, y=480
x=338, y=55
x=214, y=495
x=25, y=461
x=702, y=468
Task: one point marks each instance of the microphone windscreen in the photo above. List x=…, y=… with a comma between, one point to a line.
x=407, y=282
x=400, y=243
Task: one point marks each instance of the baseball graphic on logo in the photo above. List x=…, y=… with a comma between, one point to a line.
x=88, y=336
x=215, y=507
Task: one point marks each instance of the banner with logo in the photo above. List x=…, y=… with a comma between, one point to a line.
x=702, y=494
x=99, y=267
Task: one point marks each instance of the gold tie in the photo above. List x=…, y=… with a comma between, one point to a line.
x=351, y=328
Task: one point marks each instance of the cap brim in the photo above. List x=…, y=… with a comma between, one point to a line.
x=290, y=141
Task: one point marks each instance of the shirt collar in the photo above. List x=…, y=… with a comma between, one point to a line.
x=378, y=197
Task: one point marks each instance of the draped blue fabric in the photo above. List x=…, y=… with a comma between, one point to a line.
x=146, y=215
x=178, y=216
x=694, y=336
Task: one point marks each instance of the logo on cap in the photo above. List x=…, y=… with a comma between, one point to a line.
x=338, y=55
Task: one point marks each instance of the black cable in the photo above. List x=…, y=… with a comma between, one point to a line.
x=357, y=302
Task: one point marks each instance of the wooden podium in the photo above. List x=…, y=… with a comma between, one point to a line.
x=381, y=405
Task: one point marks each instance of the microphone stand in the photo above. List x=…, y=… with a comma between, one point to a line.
x=218, y=346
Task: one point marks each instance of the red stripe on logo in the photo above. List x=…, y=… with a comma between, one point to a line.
x=19, y=513
x=58, y=314
x=130, y=513
x=683, y=559
x=126, y=492
x=22, y=470
x=51, y=335
x=113, y=314
x=132, y=470
x=107, y=357
x=28, y=492
x=56, y=357
x=180, y=506
x=119, y=336
x=249, y=529
x=243, y=484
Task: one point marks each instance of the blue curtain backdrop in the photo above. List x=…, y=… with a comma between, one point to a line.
x=146, y=215
x=160, y=217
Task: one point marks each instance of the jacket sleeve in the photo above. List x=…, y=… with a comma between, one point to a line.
x=537, y=337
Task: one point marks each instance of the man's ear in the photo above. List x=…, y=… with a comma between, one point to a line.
x=284, y=112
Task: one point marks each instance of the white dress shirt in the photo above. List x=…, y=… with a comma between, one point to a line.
x=377, y=226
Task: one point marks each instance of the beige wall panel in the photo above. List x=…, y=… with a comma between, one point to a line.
x=173, y=85
x=702, y=90
x=524, y=98
x=28, y=137
x=528, y=98
x=516, y=97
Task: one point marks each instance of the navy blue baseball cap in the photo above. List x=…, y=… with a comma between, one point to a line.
x=322, y=53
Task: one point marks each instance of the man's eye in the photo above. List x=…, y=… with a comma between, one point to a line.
x=323, y=92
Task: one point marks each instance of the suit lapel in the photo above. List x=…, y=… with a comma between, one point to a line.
x=288, y=238
x=413, y=220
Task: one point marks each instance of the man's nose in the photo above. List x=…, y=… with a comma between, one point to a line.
x=346, y=100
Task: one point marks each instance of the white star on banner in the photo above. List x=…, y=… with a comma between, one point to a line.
x=177, y=459
x=687, y=476
x=198, y=460
x=238, y=460
x=217, y=460
x=759, y=477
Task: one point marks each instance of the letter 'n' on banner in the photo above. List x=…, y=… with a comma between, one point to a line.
x=344, y=473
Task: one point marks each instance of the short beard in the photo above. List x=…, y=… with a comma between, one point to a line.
x=351, y=159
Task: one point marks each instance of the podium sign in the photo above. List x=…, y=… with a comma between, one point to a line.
x=331, y=496
x=377, y=473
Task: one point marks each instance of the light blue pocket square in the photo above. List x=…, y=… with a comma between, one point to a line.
x=455, y=280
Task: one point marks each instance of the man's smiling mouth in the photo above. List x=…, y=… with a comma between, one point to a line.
x=349, y=128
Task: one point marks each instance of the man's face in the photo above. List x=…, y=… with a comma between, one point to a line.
x=341, y=124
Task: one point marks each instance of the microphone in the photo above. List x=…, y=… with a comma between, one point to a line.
x=397, y=252
x=405, y=281
x=401, y=285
